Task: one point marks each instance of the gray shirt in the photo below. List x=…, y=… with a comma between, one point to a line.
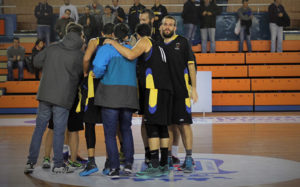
x=11, y=52
x=244, y=13
x=108, y=19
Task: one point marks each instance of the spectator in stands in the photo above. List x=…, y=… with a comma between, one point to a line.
x=245, y=15
x=62, y=71
x=89, y=24
x=97, y=11
x=108, y=16
x=61, y=24
x=208, y=12
x=160, y=12
x=15, y=56
x=134, y=13
x=120, y=16
x=276, y=13
x=43, y=12
x=190, y=19
x=223, y=2
x=38, y=47
x=72, y=8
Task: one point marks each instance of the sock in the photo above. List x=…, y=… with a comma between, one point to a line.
x=91, y=159
x=147, y=152
x=163, y=156
x=175, y=150
x=189, y=153
x=154, y=158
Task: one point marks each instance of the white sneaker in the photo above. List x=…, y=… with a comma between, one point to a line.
x=63, y=169
x=29, y=168
x=46, y=163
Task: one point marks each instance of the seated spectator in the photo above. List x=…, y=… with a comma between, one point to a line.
x=72, y=8
x=61, y=24
x=208, y=12
x=245, y=15
x=133, y=15
x=38, y=47
x=120, y=16
x=97, y=11
x=108, y=17
x=15, y=56
x=277, y=21
x=43, y=12
x=89, y=24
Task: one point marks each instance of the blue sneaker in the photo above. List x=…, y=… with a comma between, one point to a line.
x=150, y=172
x=90, y=168
x=106, y=168
x=170, y=163
x=189, y=167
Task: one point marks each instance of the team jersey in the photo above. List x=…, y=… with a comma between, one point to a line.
x=153, y=70
x=179, y=54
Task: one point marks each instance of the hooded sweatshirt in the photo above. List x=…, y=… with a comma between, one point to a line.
x=62, y=71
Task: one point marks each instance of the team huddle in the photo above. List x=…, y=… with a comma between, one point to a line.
x=113, y=78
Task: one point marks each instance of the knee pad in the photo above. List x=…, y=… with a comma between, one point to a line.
x=163, y=131
x=152, y=131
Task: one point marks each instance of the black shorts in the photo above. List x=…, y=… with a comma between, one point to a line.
x=75, y=120
x=157, y=107
x=92, y=113
x=181, y=111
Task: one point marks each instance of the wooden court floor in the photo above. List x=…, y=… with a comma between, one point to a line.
x=278, y=140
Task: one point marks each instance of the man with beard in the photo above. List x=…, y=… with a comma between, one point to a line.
x=183, y=72
x=155, y=88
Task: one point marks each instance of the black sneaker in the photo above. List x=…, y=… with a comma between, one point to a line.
x=175, y=160
x=127, y=169
x=29, y=168
x=91, y=167
x=106, y=168
x=114, y=173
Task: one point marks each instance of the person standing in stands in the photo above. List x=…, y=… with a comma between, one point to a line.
x=38, y=47
x=117, y=95
x=245, y=15
x=15, y=56
x=108, y=16
x=276, y=13
x=120, y=16
x=62, y=71
x=97, y=11
x=190, y=19
x=43, y=12
x=208, y=12
x=88, y=22
x=133, y=15
x=72, y=8
x=60, y=26
x=160, y=12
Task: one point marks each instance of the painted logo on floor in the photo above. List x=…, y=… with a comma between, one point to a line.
x=210, y=170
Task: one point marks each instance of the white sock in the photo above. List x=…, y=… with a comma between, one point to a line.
x=174, y=150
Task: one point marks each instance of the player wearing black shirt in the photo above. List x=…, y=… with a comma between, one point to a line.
x=183, y=74
x=160, y=11
x=156, y=84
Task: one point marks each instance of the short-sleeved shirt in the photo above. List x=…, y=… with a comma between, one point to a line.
x=179, y=54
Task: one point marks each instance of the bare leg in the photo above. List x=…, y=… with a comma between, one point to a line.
x=73, y=143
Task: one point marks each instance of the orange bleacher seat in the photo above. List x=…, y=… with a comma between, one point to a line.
x=265, y=58
x=257, y=45
x=26, y=74
x=277, y=98
x=274, y=70
x=226, y=71
x=28, y=46
x=220, y=58
x=232, y=99
x=231, y=85
x=18, y=101
x=20, y=86
x=3, y=58
x=275, y=84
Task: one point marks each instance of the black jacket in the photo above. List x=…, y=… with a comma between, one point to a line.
x=133, y=16
x=43, y=13
x=273, y=15
x=89, y=30
x=160, y=12
x=120, y=13
x=190, y=13
x=60, y=26
x=209, y=21
x=62, y=70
